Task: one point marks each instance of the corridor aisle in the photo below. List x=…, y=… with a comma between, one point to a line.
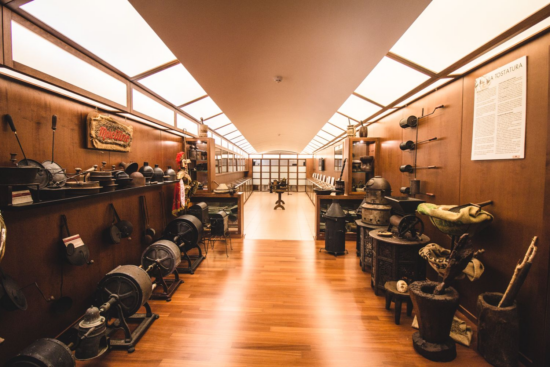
x=296, y=222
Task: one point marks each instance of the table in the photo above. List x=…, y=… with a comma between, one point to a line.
x=392, y=294
x=395, y=258
x=364, y=243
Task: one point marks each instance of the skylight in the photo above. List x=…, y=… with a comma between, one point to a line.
x=389, y=80
x=226, y=129
x=358, y=108
x=424, y=91
x=340, y=121
x=111, y=29
x=187, y=125
x=233, y=135
x=204, y=108
x=30, y=49
x=150, y=107
x=434, y=42
x=174, y=84
x=217, y=122
x=332, y=129
x=325, y=135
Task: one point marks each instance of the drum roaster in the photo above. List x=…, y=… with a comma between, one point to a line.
x=403, y=221
x=335, y=232
x=219, y=224
x=200, y=211
x=376, y=209
x=44, y=352
x=121, y=293
x=160, y=260
x=186, y=232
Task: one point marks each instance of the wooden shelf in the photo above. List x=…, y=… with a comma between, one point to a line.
x=43, y=204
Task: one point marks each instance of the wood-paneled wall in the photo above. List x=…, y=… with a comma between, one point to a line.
x=34, y=235
x=520, y=189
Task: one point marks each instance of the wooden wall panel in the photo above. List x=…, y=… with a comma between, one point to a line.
x=328, y=155
x=33, y=243
x=518, y=190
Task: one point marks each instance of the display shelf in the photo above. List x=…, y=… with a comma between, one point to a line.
x=232, y=204
x=348, y=203
x=43, y=204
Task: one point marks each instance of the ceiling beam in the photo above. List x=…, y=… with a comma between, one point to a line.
x=410, y=64
x=193, y=101
x=159, y=68
x=349, y=117
x=368, y=100
x=211, y=117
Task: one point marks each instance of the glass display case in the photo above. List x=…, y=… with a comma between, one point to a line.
x=361, y=164
x=197, y=151
x=349, y=204
x=338, y=157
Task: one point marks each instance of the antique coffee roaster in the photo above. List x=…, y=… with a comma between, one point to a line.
x=219, y=223
x=44, y=352
x=200, y=211
x=335, y=232
x=186, y=232
x=403, y=221
x=121, y=293
x=376, y=209
x=160, y=260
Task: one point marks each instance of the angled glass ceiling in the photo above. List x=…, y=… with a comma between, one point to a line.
x=424, y=91
x=217, y=122
x=111, y=29
x=358, y=108
x=332, y=129
x=233, y=135
x=174, y=84
x=325, y=135
x=226, y=129
x=148, y=106
x=434, y=42
x=340, y=121
x=204, y=108
x=389, y=80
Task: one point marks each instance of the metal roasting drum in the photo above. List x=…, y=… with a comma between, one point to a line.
x=130, y=285
x=200, y=210
x=376, y=209
x=166, y=254
x=219, y=222
x=44, y=352
x=185, y=229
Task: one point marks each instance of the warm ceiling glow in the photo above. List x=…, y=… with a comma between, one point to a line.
x=504, y=46
x=144, y=121
x=340, y=121
x=53, y=88
x=217, y=122
x=448, y=30
x=358, y=108
x=111, y=29
x=226, y=129
x=174, y=84
x=424, y=91
x=204, y=108
x=325, y=135
x=30, y=49
x=187, y=125
x=389, y=80
x=383, y=114
x=332, y=129
x=233, y=135
x=150, y=107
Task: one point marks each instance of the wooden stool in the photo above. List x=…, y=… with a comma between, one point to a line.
x=278, y=203
x=393, y=294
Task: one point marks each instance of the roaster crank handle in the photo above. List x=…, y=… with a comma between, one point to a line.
x=107, y=305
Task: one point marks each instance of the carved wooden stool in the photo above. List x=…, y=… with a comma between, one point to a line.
x=398, y=297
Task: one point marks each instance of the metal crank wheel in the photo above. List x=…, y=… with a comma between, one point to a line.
x=411, y=224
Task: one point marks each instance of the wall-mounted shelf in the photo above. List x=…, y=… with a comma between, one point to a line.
x=43, y=204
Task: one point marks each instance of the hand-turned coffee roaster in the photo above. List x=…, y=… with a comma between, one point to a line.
x=376, y=209
x=160, y=260
x=335, y=232
x=44, y=352
x=121, y=293
x=200, y=211
x=186, y=232
x=403, y=221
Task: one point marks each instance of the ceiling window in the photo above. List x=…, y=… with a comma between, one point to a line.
x=174, y=84
x=434, y=42
x=325, y=135
x=357, y=108
x=204, y=108
x=30, y=49
x=341, y=121
x=424, y=91
x=332, y=129
x=217, y=122
x=150, y=107
x=389, y=80
x=226, y=129
x=187, y=125
x=233, y=135
x=111, y=29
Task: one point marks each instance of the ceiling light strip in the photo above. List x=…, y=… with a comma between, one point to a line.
x=193, y=101
x=348, y=117
x=159, y=68
x=368, y=100
x=211, y=117
x=335, y=126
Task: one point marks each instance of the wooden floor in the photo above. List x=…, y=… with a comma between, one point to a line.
x=276, y=303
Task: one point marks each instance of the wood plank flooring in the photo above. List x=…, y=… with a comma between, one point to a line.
x=276, y=303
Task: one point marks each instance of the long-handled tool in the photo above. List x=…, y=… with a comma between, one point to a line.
x=43, y=177
x=58, y=174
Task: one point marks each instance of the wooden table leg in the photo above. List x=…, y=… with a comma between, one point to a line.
x=389, y=296
x=398, y=304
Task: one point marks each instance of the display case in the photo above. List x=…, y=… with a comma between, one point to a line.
x=349, y=204
x=310, y=186
x=362, y=163
x=201, y=153
x=232, y=205
x=244, y=185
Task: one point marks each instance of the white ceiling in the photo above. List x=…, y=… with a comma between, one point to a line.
x=323, y=49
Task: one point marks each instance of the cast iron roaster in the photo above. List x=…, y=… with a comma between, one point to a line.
x=43, y=177
x=122, y=178
x=11, y=296
x=147, y=171
x=158, y=174
x=119, y=228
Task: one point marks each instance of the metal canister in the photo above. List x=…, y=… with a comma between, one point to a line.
x=376, y=214
x=92, y=341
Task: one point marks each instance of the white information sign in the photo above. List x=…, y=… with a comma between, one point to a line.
x=499, y=113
